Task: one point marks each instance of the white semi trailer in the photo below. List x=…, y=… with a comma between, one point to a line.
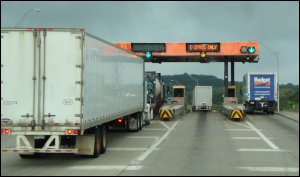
x=62, y=88
x=202, y=98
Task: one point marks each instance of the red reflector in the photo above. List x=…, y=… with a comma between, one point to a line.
x=58, y=150
x=6, y=131
x=1, y=131
x=69, y=132
x=15, y=150
x=48, y=150
x=82, y=30
x=4, y=150
x=75, y=132
x=37, y=151
x=39, y=29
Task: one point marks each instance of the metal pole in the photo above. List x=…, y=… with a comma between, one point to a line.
x=232, y=72
x=278, y=106
x=225, y=78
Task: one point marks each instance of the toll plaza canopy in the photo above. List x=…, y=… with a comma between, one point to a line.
x=195, y=52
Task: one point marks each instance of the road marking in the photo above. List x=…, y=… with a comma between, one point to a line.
x=154, y=129
x=129, y=149
x=154, y=137
x=260, y=150
x=271, y=169
x=107, y=167
x=239, y=129
x=241, y=124
x=248, y=138
x=165, y=125
x=153, y=146
x=273, y=146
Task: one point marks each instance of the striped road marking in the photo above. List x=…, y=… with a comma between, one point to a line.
x=128, y=149
x=248, y=138
x=107, y=167
x=270, y=169
x=157, y=143
x=165, y=125
x=241, y=129
x=260, y=150
x=272, y=145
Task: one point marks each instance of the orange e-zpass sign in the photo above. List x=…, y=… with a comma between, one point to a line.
x=203, y=47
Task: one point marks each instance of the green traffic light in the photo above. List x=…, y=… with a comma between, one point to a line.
x=251, y=50
x=148, y=54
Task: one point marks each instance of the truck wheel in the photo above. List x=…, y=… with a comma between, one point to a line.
x=147, y=122
x=97, y=145
x=141, y=121
x=103, y=140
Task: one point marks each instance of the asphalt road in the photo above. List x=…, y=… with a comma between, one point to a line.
x=195, y=144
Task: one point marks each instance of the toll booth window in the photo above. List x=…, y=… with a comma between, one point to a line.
x=179, y=92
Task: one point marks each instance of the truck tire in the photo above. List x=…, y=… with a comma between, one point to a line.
x=141, y=121
x=147, y=122
x=103, y=139
x=97, y=145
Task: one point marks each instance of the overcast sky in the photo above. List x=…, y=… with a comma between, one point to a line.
x=276, y=24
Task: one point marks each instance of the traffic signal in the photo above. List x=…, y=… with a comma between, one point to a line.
x=148, y=55
x=251, y=50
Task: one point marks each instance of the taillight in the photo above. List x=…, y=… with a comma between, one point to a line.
x=120, y=120
x=5, y=131
x=72, y=132
x=75, y=132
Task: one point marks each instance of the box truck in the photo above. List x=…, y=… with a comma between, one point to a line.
x=202, y=98
x=62, y=88
x=260, y=92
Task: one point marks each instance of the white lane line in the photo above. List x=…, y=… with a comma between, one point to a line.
x=272, y=145
x=128, y=149
x=260, y=150
x=154, y=129
x=248, y=138
x=241, y=124
x=154, y=137
x=239, y=129
x=270, y=169
x=107, y=167
x=165, y=125
x=153, y=146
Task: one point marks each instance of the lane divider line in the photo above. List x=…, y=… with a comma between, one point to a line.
x=272, y=145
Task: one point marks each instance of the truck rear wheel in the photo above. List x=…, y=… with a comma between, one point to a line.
x=147, y=122
x=97, y=144
x=140, y=121
x=103, y=132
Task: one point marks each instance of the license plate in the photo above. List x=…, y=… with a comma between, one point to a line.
x=39, y=137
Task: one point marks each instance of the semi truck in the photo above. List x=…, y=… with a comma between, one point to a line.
x=62, y=88
x=155, y=90
x=202, y=98
x=260, y=92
